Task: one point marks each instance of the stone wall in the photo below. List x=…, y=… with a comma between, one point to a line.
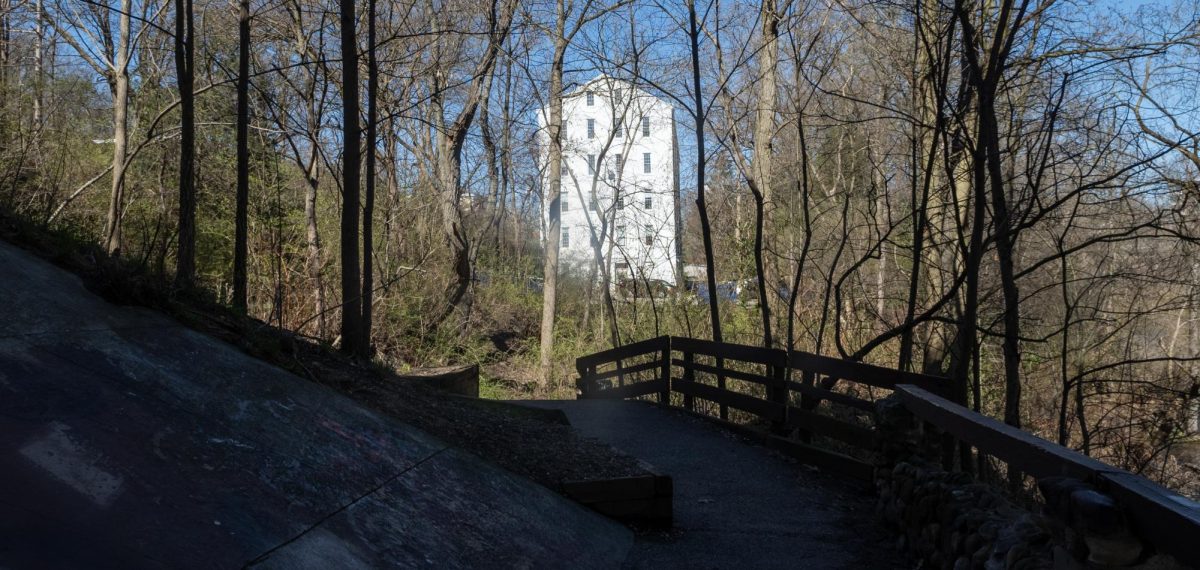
x=951, y=521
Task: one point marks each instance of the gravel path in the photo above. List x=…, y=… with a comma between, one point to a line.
x=737, y=505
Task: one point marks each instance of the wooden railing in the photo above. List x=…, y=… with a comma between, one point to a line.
x=788, y=401
x=784, y=399
x=1168, y=520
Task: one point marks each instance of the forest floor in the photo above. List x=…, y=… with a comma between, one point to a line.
x=529, y=443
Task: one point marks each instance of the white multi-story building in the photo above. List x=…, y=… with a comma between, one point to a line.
x=618, y=176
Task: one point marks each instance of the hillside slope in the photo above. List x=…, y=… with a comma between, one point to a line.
x=128, y=440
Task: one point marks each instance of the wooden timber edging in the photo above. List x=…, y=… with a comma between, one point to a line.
x=1167, y=519
x=461, y=380
x=643, y=499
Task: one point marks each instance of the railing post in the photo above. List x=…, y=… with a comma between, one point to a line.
x=807, y=378
x=664, y=396
x=584, y=383
x=720, y=382
x=689, y=377
x=779, y=394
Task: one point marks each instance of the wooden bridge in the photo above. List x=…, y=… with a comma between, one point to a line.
x=822, y=411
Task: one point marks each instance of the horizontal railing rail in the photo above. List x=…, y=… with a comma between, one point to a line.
x=862, y=373
x=626, y=366
x=623, y=351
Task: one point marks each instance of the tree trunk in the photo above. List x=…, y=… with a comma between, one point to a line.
x=5, y=39
x=985, y=79
x=368, y=281
x=185, y=262
x=929, y=76
x=803, y=191
x=974, y=254
x=764, y=115
x=701, y=206
x=1008, y=283
x=452, y=225
x=677, y=208
x=120, y=95
x=491, y=156
x=312, y=172
x=760, y=270
x=551, y=201
x=505, y=154
x=240, y=245
x=1065, y=350
x=352, y=342
x=761, y=169
x=39, y=38
x=450, y=147
x=313, y=241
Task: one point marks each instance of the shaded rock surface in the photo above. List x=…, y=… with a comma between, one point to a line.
x=128, y=441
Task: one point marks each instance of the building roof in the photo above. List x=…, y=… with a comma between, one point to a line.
x=606, y=82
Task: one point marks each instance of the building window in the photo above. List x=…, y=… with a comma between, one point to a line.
x=646, y=162
x=566, y=236
x=620, y=163
x=563, y=205
x=591, y=128
x=649, y=239
x=591, y=99
x=647, y=202
x=621, y=235
x=620, y=202
x=591, y=160
x=645, y=126
x=619, y=130
x=619, y=94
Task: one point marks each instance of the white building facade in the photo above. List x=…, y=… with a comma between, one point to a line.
x=618, y=178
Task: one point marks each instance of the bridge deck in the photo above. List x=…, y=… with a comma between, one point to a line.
x=736, y=505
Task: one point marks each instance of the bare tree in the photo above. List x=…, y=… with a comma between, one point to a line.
x=985, y=77
x=240, y=246
x=450, y=140
x=83, y=29
x=297, y=107
x=699, y=117
x=368, y=213
x=352, y=339
x=567, y=23
x=185, y=69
